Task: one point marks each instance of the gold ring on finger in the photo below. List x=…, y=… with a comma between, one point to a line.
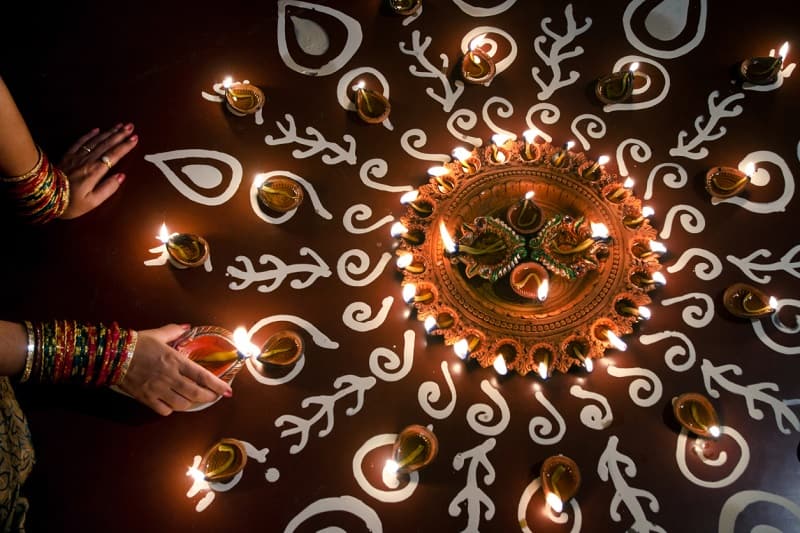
x=107, y=161
x=86, y=149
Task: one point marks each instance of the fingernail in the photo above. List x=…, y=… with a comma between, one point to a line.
x=120, y=178
x=228, y=393
x=128, y=127
x=117, y=127
x=133, y=138
x=185, y=326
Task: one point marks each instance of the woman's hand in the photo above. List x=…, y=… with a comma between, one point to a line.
x=166, y=380
x=88, y=161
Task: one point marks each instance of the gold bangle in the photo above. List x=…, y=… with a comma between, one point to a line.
x=133, y=337
x=31, y=173
x=29, y=352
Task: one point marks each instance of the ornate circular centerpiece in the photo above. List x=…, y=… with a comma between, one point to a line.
x=527, y=252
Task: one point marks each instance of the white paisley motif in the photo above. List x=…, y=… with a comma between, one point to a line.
x=204, y=177
x=736, y=504
x=664, y=53
x=648, y=382
x=351, y=78
x=692, y=220
x=479, y=415
x=391, y=361
x=344, y=267
x=474, y=11
x=310, y=192
x=357, y=315
x=430, y=392
x=488, y=43
x=541, y=429
x=592, y=416
x=705, y=271
x=780, y=326
x=347, y=504
x=640, y=104
x=596, y=128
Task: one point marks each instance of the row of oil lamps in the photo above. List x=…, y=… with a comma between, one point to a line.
x=416, y=446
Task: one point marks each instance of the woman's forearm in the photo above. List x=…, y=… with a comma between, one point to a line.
x=18, y=153
x=13, y=348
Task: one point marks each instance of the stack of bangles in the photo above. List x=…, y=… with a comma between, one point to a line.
x=41, y=194
x=63, y=351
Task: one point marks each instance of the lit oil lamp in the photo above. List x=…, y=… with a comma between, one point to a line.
x=477, y=67
x=242, y=97
x=499, y=141
x=406, y=7
x=444, y=180
x=524, y=216
x=530, y=143
x=371, y=106
x=414, y=294
x=763, y=70
x=184, y=250
x=616, y=87
x=415, y=447
x=746, y=301
x=487, y=247
x=695, y=412
x=411, y=199
x=580, y=353
x=590, y=172
x=530, y=280
x=223, y=460
x=615, y=341
x=406, y=261
x=215, y=349
x=279, y=193
x=724, y=182
x=560, y=479
x=413, y=236
x=463, y=347
x=560, y=156
x=543, y=368
x=469, y=163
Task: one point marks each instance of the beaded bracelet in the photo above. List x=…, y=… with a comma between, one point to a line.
x=41, y=194
x=63, y=351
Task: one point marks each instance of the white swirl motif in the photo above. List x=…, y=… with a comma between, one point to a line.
x=378, y=168
x=648, y=382
x=362, y=212
x=310, y=192
x=351, y=45
x=357, y=262
x=671, y=180
x=736, y=504
x=665, y=22
x=488, y=40
x=548, y=113
x=761, y=178
x=736, y=471
x=674, y=351
x=640, y=152
x=524, y=501
x=541, y=429
x=692, y=220
x=480, y=415
x=505, y=109
x=350, y=78
x=391, y=361
x=465, y=119
x=387, y=496
x=430, y=392
x=776, y=321
x=203, y=177
x=705, y=271
x=347, y=504
x=596, y=128
x=640, y=104
x=592, y=416
x=694, y=315
x=297, y=368
x=357, y=315
x=474, y=11
x=416, y=138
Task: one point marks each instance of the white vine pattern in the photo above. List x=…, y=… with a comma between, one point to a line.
x=555, y=56
x=465, y=119
x=362, y=212
x=692, y=220
x=378, y=168
x=357, y=262
x=592, y=416
x=671, y=180
x=789, y=263
x=505, y=109
x=548, y=113
x=647, y=382
x=417, y=50
x=674, y=351
x=596, y=128
x=780, y=326
x=705, y=133
x=471, y=494
x=315, y=143
x=270, y=279
x=416, y=138
x=357, y=315
x=640, y=152
x=737, y=470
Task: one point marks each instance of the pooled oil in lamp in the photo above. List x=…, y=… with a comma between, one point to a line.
x=616, y=87
x=560, y=479
x=185, y=250
x=406, y=7
x=215, y=349
x=416, y=446
x=590, y=171
x=477, y=67
x=223, y=460
x=724, y=182
x=695, y=412
x=530, y=280
x=282, y=348
x=763, y=70
x=371, y=106
x=746, y=301
x=410, y=198
x=243, y=97
x=558, y=158
x=279, y=193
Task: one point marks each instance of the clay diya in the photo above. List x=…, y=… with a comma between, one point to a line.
x=524, y=216
x=616, y=87
x=186, y=250
x=695, y=413
x=477, y=67
x=488, y=248
x=560, y=479
x=223, y=460
x=244, y=98
x=212, y=348
x=371, y=106
x=406, y=7
x=724, y=182
x=746, y=301
x=415, y=446
x=282, y=348
x=530, y=280
x=280, y=194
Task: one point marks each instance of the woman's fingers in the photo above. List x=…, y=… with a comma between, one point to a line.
x=83, y=141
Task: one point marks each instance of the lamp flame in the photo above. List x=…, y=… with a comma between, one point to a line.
x=398, y=229
x=628, y=183
x=163, y=234
x=588, y=364
x=461, y=347
x=749, y=169
x=615, y=341
x=243, y=345
x=409, y=291
x=773, y=302
x=391, y=467
x=603, y=159
x=554, y=502
x=569, y=145
x=438, y=171
x=477, y=41
x=409, y=197
x=227, y=82
x=500, y=365
x=500, y=138
x=634, y=66
x=657, y=247
x=461, y=153
x=644, y=312
x=195, y=474
x=447, y=241
x=599, y=230
x=530, y=135
x=405, y=259
x=784, y=50
x=648, y=211
x=715, y=431
x=430, y=323
x=543, y=370
x=541, y=292
x=659, y=278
